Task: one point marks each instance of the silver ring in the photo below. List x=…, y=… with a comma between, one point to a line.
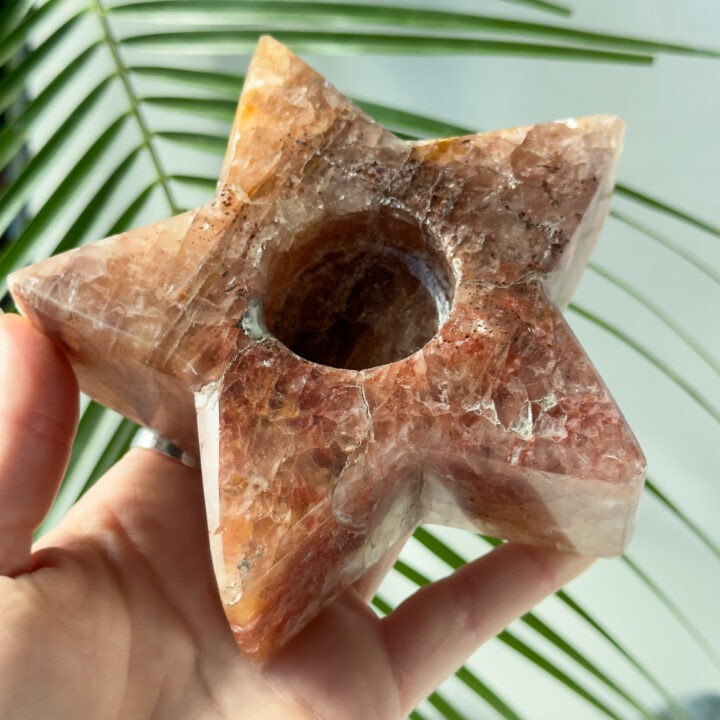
x=150, y=440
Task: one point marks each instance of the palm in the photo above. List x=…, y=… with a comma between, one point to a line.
x=116, y=613
x=141, y=584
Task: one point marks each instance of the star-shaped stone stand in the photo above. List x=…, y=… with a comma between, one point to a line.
x=369, y=329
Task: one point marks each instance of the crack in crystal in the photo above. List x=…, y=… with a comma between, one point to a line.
x=371, y=429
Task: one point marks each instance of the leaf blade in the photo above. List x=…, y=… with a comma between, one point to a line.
x=215, y=108
x=680, y=251
x=196, y=141
x=667, y=209
x=14, y=136
x=12, y=199
x=651, y=357
x=659, y=313
x=98, y=203
x=131, y=212
x=234, y=41
x=11, y=14
x=348, y=15
x=17, y=38
x=684, y=518
x=205, y=79
x=674, y=609
x=24, y=248
x=672, y=702
x=13, y=84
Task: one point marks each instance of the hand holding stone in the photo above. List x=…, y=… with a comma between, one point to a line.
x=115, y=613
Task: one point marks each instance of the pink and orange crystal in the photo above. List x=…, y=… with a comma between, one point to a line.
x=367, y=331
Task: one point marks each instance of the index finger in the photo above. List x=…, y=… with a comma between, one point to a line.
x=435, y=630
x=38, y=413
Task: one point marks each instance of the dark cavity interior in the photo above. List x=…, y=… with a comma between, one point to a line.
x=358, y=292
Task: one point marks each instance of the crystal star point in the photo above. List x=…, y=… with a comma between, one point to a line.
x=367, y=330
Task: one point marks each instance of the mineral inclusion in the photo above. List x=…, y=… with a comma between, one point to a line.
x=369, y=331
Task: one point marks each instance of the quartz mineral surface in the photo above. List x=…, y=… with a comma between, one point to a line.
x=369, y=331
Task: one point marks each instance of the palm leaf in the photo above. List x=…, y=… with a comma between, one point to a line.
x=233, y=42
x=268, y=13
x=130, y=62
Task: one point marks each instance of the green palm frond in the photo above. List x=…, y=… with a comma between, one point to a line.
x=342, y=15
x=100, y=98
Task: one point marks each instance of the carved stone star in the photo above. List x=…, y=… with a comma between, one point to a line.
x=370, y=331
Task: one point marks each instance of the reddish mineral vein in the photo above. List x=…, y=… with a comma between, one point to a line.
x=369, y=330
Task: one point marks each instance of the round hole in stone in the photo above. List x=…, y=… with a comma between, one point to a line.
x=359, y=291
